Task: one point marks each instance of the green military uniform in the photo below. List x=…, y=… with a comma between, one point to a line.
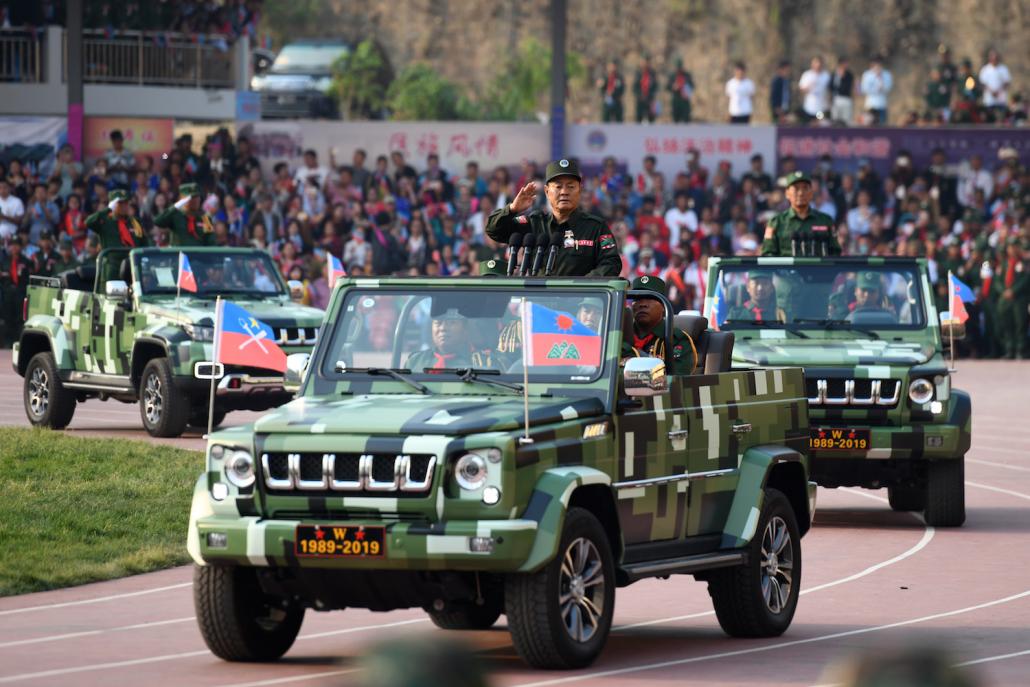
x=869, y=281
x=1012, y=277
x=652, y=343
x=431, y=358
x=753, y=311
x=589, y=247
x=681, y=86
x=116, y=231
x=645, y=88
x=612, y=89
x=187, y=229
x=62, y=265
x=788, y=223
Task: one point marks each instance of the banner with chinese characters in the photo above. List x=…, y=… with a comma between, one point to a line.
x=142, y=136
x=880, y=146
x=457, y=143
x=669, y=143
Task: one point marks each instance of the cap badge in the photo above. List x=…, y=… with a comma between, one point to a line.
x=563, y=163
x=644, y=280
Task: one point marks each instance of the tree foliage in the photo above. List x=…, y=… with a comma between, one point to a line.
x=421, y=93
x=521, y=88
x=360, y=81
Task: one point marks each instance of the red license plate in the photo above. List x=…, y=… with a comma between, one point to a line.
x=340, y=541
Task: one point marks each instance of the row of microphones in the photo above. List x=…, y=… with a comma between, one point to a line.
x=538, y=251
x=812, y=244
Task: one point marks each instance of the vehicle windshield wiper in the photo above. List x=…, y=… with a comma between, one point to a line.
x=770, y=324
x=830, y=323
x=398, y=374
x=472, y=374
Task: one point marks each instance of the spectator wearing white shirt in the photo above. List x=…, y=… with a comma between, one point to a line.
x=860, y=217
x=875, y=86
x=815, y=88
x=680, y=219
x=973, y=176
x=995, y=79
x=740, y=90
x=12, y=211
x=310, y=168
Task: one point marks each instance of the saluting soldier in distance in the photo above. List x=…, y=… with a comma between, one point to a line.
x=186, y=221
x=115, y=226
x=588, y=248
x=800, y=220
x=649, y=329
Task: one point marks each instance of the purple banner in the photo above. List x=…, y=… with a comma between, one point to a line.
x=881, y=145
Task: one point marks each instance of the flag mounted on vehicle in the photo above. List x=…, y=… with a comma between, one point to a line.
x=554, y=338
x=186, y=281
x=719, y=308
x=956, y=307
x=242, y=339
x=335, y=270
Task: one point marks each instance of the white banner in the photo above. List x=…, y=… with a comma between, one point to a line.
x=30, y=131
x=669, y=143
x=490, y=144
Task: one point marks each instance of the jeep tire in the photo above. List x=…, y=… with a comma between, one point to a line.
x=237, y=620
x=198, y=418
x=560, y=616
x=47, y=403
x=946, y=493
x=163, y=407
x=758, y=599
x=904, y=498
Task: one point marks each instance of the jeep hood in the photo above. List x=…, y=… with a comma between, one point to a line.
x=406, y=414
x=830, y=352
x=274, y=313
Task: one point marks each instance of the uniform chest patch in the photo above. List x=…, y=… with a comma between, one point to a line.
x=522, y=219
x=606, y=241
x=570, y=239
x=585, y=242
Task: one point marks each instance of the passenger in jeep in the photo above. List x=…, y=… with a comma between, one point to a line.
x=451, y=347
x=760, y=305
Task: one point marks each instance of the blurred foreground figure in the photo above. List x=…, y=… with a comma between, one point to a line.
x=422, y=661
x=910, y=667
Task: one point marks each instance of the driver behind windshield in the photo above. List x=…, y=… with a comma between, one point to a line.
x=760, y=305
x=452, y=347
x=869, y=296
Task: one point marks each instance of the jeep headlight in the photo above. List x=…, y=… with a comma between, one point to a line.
x=239, y=468
x=470, y=471
x=920, y=391
x=199, y=332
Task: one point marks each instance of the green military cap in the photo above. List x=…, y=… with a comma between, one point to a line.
x=868, y=280
x=492, y=268
x=795, y=177
x=117, y=194
x=647, y=283
x=590, y=302
x=563, y=168
x=188, y=189
x=65, y=242
x=759, y=275
x=448, y=314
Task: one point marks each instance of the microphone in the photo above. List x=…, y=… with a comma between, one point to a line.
x=514, y=242
x=552, y=252
x=528, y=243
x=794, y=245
x=538, y=256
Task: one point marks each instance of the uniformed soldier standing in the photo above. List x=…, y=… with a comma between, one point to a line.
x=1011, y=290
x=66, y=259
x=115, y=226
x=649, y=329
x=186, y=221
x=588, y=248
x=612, y=88
x=801, y=220
x=645, y=88
x=681, y=86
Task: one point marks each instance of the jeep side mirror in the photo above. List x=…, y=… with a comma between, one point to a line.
x=951, y=329
x=296, y=367
x=296, y=289
x=116, y=289
x=645, y=377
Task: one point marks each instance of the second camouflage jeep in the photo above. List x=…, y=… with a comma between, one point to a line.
x=385, y=487
x=120, y=329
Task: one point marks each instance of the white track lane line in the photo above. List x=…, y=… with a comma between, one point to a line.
x=294, y=678
x=980, y=448
x=186, y=654
x=99, y=599
x=988, y=659
x=928, y=534
x=988, y=487
x=90, y=633
x=997, y=465
x=779, y=645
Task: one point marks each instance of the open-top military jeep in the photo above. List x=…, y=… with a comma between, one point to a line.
x=417, y=468
x=867, y=332
x=120, y=329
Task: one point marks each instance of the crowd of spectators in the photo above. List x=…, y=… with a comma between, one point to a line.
x=823, y=96
x=384, y=216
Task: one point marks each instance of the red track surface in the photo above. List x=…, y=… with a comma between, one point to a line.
x=872, y=579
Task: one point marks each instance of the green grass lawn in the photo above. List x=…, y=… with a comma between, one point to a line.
x=76, y=510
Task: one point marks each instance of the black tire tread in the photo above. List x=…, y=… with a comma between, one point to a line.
x=904, y=499
x=175, y=410
x=946, y=493
x=61, y=403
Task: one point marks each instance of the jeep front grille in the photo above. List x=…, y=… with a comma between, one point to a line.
x=348, y=472
x=854, y=392
x=296, y=336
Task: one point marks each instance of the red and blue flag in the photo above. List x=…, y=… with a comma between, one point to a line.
x=242, y=339
x=335, y=270
x=957, y=294
x=719, y=308
x=555, y=338
x=187, y=281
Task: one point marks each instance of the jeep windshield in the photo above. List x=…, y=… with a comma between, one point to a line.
x=245, y=274
x=847, y=297
x=456, y=335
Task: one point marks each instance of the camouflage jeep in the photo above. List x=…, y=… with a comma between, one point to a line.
x=867, y=332
x=404, y=474
x=118, y=329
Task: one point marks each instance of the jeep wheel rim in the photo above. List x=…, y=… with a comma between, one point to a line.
x=777, y=565
x=581, y=590
x=152, y=399
x=39, y=392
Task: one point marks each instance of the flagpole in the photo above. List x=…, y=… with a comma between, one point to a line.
x=178, y=289
x=951, y=324
x=525, y=373
x=214, y=365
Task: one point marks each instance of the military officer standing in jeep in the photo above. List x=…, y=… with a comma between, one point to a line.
x=588, y=245
x=186, y=221
x=800, y=221
x=115, y=226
